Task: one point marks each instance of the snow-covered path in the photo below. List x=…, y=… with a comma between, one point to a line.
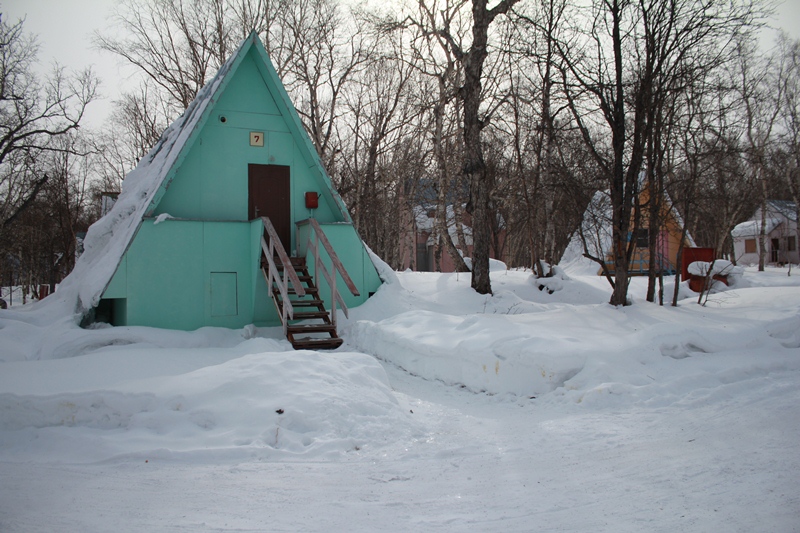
x=484, y=464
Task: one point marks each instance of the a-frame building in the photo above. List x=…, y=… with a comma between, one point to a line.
x=197, y=252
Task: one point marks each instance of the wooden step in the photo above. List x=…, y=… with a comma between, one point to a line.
x=309, y=290
x=306, y=335
x=305, y=315
x=317, y=344
x=297, y=262
x=306, y=303
x=299, y=329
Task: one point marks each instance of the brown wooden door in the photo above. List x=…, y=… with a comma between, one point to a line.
x=268, y=192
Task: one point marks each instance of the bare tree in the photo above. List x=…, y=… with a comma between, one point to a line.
x=760, y=93
x=33, y=115
x=790, y=115
x=536, y=129
x=642, y=52
x=480, y=183
x=323, y=49
x=135, y=125
x=380, y=119
x=434, y=58
x=177, y=45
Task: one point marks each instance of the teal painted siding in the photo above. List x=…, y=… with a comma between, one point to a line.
x=165, y=276
x=249, y=93
x=190, y=274
x=224, y=300
x=225, y=247
x=118, y=288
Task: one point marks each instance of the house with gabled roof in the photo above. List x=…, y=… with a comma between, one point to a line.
x=670, y=236
x=230, y=220
x=780, y=229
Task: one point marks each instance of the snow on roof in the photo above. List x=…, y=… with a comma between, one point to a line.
x=427, y=223
x=752, y=228
x=785, y=208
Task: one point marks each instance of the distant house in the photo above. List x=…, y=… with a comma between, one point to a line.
x=780, y=231
x=425, y=240
x=668, y=240
x=107, y=201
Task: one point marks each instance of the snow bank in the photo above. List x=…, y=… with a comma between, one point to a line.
x=662, y=417
x=437, y=327
x=526, y=342
x=486, y=354
x=264, y=405
x=719, y=267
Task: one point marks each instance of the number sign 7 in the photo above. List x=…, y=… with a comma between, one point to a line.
x=256, y=138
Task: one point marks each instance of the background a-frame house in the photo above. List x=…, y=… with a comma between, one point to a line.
x=229, y=188
x=668, y=239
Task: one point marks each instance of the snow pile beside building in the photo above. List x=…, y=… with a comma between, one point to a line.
x=250, y=402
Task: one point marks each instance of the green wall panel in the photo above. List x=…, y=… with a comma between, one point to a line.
x=226, y=249
x=223, y=181
x=118, y=287
x=165, y=276
x=280, y=148
x=224, y=300
x=247, y=90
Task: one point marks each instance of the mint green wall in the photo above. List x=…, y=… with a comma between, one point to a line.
x=118, y=288
x=188, y=274
x=211, y=183
x=201, y=268
x=165, y=275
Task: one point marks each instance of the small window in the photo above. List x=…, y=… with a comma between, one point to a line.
x=643, y=238
x=791, y=243
x=749, y=246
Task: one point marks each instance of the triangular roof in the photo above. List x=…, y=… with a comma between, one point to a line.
x=785, y=208
x=108, y=239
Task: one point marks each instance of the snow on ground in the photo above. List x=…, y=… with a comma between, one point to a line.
x=445, y=410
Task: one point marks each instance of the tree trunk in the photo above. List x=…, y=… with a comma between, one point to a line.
x=620, y=195
x=444, y=238
x=762, y=232
x=480, y=186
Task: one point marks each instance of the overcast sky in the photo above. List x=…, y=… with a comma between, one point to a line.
x=65, y=28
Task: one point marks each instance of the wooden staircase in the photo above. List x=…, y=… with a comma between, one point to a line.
x=316, y=332
x=306, y=323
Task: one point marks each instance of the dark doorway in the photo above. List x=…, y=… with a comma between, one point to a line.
x=268, y=192
x=776, y=248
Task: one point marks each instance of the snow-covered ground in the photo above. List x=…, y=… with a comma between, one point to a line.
x=531, y=410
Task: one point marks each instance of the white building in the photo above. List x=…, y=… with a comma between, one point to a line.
x=781, y=235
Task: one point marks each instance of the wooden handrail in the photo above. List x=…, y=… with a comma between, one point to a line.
x=268, y=251
x=316, y=238
x=337, y=263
